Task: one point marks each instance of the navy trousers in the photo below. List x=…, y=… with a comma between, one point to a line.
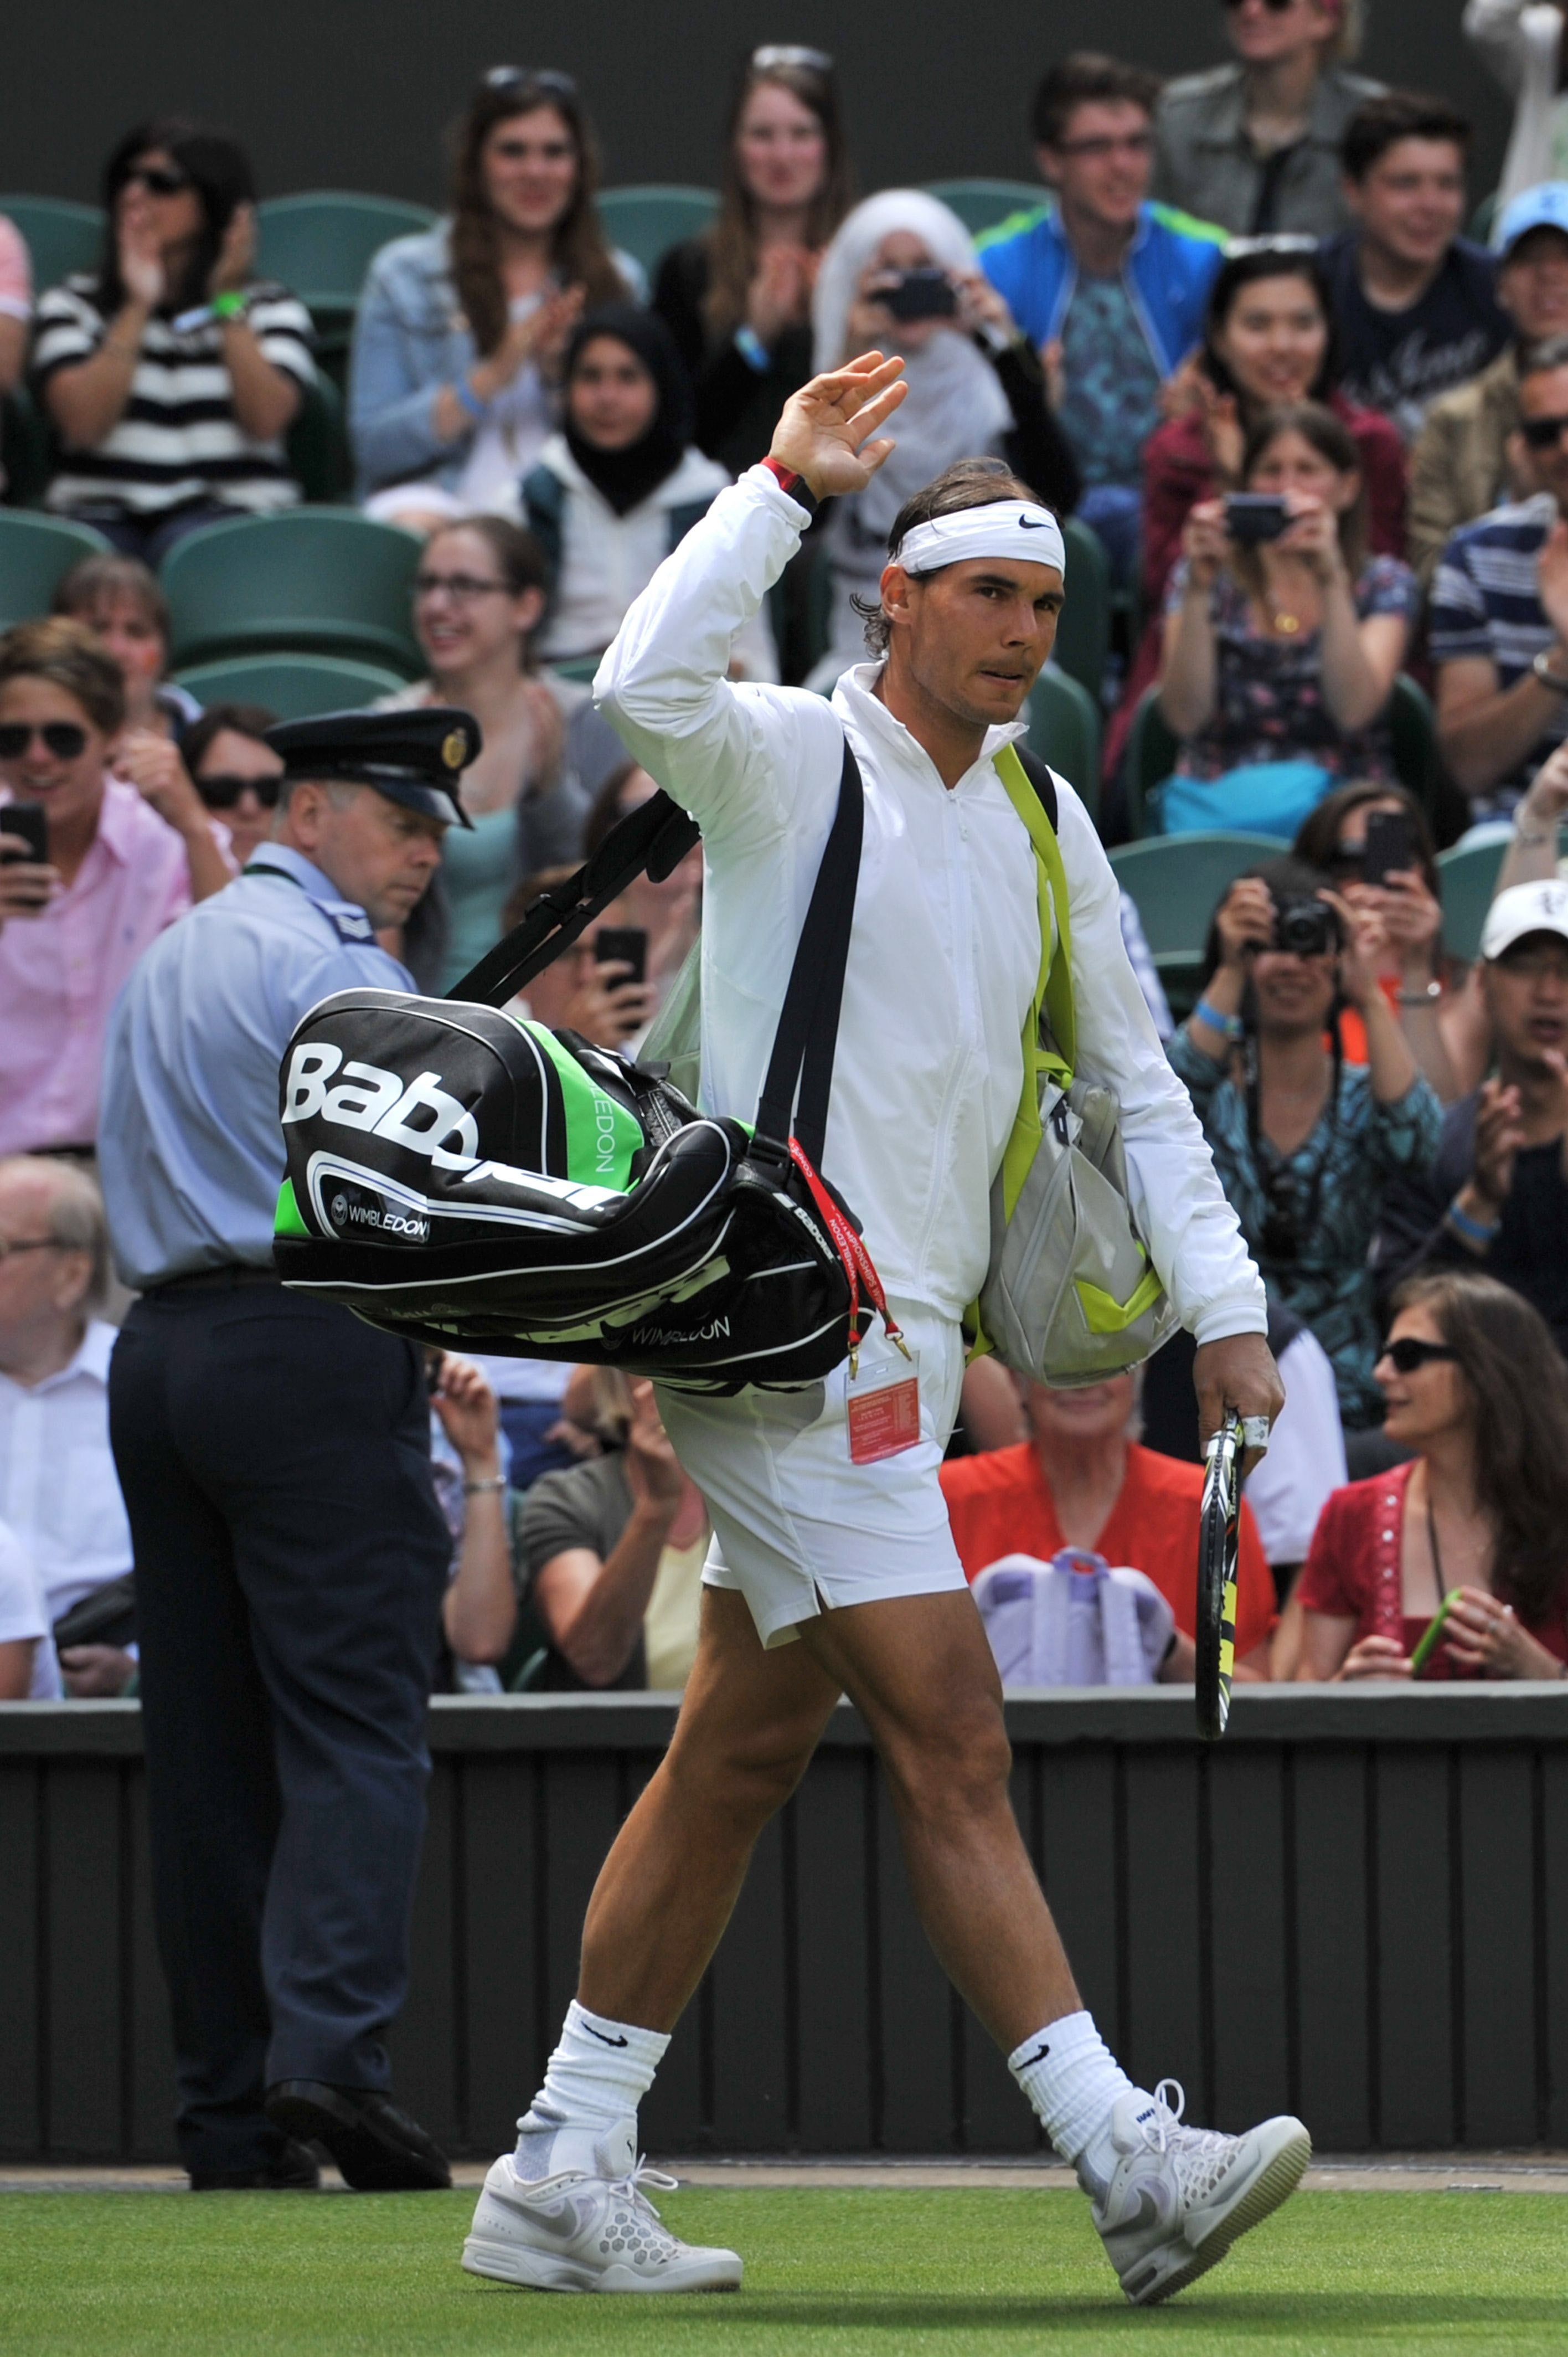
x=290, y=1557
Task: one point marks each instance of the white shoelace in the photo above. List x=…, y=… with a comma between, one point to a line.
x=629, y=2187
x=1167, y=2120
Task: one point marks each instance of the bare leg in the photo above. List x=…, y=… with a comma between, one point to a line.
x=747, y=1728
x=920, y=1672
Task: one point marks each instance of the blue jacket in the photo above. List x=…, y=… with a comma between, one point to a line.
x=1170, y=266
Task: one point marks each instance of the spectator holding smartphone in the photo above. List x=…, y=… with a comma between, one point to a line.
x=172, y=373
x=902, y=275
x=1282, y=635
x=578, y=991
x=1473, y=1387
x=461, y=330
x=1304, y=1142
x=125, y=854
x=738, y=299
x=669, y=913
x=1496, y=1197
x=1109, y=288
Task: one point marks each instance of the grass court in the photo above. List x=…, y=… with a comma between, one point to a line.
x=976, y=2273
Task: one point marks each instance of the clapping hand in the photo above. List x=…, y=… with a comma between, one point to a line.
x=1552, y=575
x=781, y=292
x=1222, y=429
x=236, y=255
x=137, y=251
x=827, y=431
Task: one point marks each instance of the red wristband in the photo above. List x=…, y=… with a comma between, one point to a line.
x=797, y=487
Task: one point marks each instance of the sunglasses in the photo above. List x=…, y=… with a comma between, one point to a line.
x=221, y=792
x=1542, y=433
x=159, y=180
x=544, y=78
x=787, y=53
x=1407, y=1354
x=63, y=739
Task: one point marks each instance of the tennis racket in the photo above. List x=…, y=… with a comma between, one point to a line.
x=1218, y=1525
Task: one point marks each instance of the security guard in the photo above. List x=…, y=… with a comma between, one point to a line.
x=273, y=1454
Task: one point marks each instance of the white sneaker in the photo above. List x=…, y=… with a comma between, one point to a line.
x=1178, y=2197
x=588, y=2227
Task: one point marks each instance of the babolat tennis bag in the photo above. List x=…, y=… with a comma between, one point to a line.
x=466, y=1178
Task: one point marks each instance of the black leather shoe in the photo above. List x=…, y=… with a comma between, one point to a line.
x=293, y=2171
x=379, y=2148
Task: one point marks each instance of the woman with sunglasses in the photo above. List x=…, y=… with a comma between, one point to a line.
x=461, y=330
x=117, y=870
x=479, y=598
x=1476, y=1388
x=738, y=299
x=1255, y=146
x=1304, y=1141
x=172, y=373
x=236, y=772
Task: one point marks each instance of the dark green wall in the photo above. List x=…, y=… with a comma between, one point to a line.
x=356, y=92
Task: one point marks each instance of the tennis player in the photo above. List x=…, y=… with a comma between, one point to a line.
x=833, y=1570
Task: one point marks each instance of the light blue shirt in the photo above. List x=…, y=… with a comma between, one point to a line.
x=189, y=1151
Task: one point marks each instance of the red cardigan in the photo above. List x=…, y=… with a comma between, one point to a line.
x=1179, y=472
x=1353, y=1570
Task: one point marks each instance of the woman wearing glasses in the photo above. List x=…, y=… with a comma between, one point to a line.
x=460, y=331
x=115, y=872
x=1255, y=146
x=1306, y=1142
x=172, y=373
x=738, y=299
x=1475, y=1388
x=236, y=772
x=478, y=599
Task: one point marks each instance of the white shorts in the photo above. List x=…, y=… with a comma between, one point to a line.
x=798, y=1529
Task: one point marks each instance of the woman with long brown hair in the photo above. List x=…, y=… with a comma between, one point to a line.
x=738, y=299
x=1475, y=1384
x=461, y=328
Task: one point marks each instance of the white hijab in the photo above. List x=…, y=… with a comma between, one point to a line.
x=955, y=408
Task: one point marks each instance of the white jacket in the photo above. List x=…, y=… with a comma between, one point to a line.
x=606, y=559
x=1519, y=41
x=945, y=952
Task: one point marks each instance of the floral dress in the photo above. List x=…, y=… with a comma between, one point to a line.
x=1270, y=704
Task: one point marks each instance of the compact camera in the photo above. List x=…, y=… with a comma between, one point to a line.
x=1305, y=928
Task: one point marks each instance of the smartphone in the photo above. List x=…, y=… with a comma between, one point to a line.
x=622, y=946
x=1390, y=846
x=1252, y=517
x=28, y=820
x=921, y=294
x=1432, y=1636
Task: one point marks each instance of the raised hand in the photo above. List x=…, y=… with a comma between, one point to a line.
x=1244, y=921
x=1206, y=544
x=828, y=433
x=138, y=251
x=780, y=291
x=1552, y=573
x=236, y=255
x=653, y=1472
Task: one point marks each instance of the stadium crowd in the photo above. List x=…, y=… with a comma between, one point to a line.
x=1312, y=433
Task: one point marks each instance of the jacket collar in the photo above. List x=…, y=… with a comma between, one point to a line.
x=1223, y=122
x=854, y=702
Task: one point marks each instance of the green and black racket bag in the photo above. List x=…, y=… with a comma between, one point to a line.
x=469, y=1178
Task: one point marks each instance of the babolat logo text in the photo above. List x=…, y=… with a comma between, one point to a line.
x=423, y=1116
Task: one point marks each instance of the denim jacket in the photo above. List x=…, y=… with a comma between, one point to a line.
x=411, y=338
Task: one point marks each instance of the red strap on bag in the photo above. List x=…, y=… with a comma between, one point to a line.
x=858, y=1266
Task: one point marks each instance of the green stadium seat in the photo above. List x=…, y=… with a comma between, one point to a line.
x=580, y=671
x=36, y=551
x=27, y=447
x=1152, y=749
x=294, y=686
x=983, y=204
x=1467, y=877
x=320, y=242
x=1177, y=881
x=317, y=445
x=324, y=581
x=647, y=222
x=1064, y=729
x=1083, y=634
x=1484, y=219
x=61, y=237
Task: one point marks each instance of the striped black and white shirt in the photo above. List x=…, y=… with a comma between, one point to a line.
x=176, y=441
x=1486, y=601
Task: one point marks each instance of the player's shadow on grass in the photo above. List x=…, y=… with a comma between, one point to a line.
x=1351, y=2316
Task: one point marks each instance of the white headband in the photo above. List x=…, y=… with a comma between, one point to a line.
x=1014, y=529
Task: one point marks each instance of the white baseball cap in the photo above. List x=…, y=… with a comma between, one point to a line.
x=1524, y=909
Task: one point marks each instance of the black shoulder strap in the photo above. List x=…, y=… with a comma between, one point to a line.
x=656, y=836
x=1045, y=785
x=807, y=1037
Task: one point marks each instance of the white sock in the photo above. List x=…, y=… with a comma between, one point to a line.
x=1072, y=2079
x=596, y=2077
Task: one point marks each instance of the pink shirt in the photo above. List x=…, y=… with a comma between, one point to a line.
x=61, y=973
x=15, y=272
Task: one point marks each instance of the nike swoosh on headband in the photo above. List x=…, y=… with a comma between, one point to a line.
x=978, y=532
x=1032, y=523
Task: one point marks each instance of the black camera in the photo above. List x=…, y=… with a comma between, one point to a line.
x=920, y=295
x=1305, y=928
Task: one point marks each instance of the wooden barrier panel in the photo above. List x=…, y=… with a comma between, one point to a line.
x=1356, y=1907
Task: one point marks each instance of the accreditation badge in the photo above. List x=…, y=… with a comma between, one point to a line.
x=883, y=1403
